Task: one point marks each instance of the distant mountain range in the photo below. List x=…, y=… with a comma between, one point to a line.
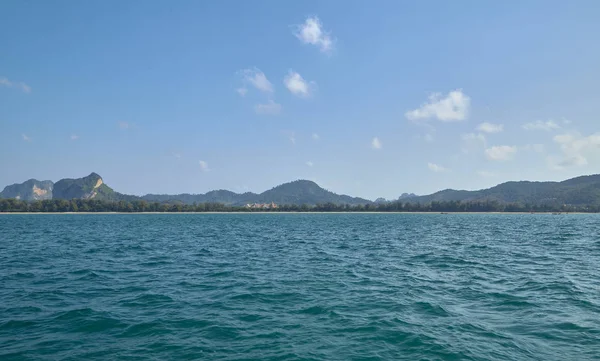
x=583, y=190
x=93, y=187
x=296, y=192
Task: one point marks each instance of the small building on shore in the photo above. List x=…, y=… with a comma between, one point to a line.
x=271, y=205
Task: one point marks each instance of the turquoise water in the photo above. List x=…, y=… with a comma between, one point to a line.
x=300, y=287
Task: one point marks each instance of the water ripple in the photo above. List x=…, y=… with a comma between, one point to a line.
x=299, y=287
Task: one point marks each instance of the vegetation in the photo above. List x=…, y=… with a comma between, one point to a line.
x=296, y=192
x=93, y=205
x=577, y=191
x=90, y=187
x=581, y=193
x=32, y=189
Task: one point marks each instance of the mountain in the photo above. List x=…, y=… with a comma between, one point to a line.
x=218, y=196
x=584, y=190
x=296, y=192
x=31, y=190
x=306, y=192
x=406, y=196
x=90, y=187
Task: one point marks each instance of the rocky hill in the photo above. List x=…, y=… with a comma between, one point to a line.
x=31, y=190
x=90, y=187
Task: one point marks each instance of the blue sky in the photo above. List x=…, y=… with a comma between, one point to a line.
x=369, y=99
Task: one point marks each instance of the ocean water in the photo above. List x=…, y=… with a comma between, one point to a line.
x=300, y=287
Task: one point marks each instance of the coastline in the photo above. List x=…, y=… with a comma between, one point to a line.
x=258, y=212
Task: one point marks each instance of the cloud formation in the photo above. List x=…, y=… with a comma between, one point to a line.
x=203, y=166
x=297, y=85
x=25, y=137
x=501, y=152
x=257, y=79
x=540, y=125
x=311, y=32
x=454, y=107
x=242, y=91
x=270, y=108
x=16, y=85
x=436, y=168
x=376, y=143
x=490, y=127
x=74, y=137
x=315, y=136
x=576, y=150
x=309, y=163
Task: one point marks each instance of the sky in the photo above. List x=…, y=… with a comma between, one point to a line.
x=371, y=99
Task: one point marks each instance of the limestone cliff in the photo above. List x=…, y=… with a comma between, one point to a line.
x=31, y=190
x=90, y=187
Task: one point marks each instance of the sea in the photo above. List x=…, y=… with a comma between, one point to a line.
x=300, y=287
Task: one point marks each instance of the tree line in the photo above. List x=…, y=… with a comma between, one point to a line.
x=136, y=206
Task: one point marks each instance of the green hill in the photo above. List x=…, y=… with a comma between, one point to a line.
x=297, y=192
x=583, y=190
x=306, y=192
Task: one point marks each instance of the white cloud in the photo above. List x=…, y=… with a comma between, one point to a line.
x=124, y=125
x=309, y=163
x=204, y=166
x=436, y=168
x=454, y=107
x=540, y=125
x=270, y=108
x=486, y=174
x=292, y=138
x=17, y=85
x=242, y=91
x=25, y=137
x=74, y=137
x=574, y=161
x=428, y=138
x=501, y=152
x=311, y=32
x=473, y=142
x=315, y=136
x=297, y=85
x=258, y=79
x=576, y=150
x=376, y=143
x=490, y=127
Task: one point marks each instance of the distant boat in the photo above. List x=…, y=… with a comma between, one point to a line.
x=444, y=213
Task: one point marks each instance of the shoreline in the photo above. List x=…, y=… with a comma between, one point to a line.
x=258, y=212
